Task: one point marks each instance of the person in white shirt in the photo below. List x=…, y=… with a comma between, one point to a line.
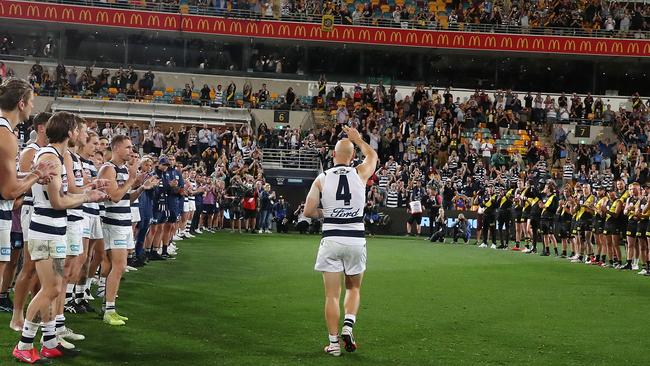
x=343, y=247
x=486, y=152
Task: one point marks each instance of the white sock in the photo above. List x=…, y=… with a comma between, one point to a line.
x=49, y=335
x=101, y=287
x=349, y=320
x=110, y=307
x=27, y=338
x=334, y=339
x=59, y=322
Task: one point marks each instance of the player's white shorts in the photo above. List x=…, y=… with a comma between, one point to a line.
x=45, y=249
x=5, y=244
x=336, y=257
x=118, y=237
x=25, y=218
x=73, y=238
x=135, y=214
x=92, y=227
x=192, y=205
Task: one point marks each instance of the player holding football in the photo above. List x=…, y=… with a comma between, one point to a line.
x=343, y=245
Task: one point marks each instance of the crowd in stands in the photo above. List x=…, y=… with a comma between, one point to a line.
x=623, y=19
x=127, y=85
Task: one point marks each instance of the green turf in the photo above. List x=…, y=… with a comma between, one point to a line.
x=234, y=299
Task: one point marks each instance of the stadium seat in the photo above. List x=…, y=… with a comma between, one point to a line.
x=169, y=90
x=112, y=91
x=157, y=93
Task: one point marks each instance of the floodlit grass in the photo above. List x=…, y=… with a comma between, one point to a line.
x=242, y=299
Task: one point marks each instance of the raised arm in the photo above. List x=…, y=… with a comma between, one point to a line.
x=367, y=168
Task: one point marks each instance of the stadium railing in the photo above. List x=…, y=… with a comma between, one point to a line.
x=375, y=22
x=297, y=159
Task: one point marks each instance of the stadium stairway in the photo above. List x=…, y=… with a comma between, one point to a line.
x=321, y=119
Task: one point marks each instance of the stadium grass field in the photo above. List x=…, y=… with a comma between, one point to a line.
x=242, y=299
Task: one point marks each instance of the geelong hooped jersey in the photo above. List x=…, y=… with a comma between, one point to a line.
x=119, y=214
x=76, y=214
x=5, y=205
x=46, y=222
x=28, y=200
x=343, y=199
x=89, y=167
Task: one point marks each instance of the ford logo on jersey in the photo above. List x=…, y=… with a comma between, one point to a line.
x=345, y=212
x=61, y=249
x=5, y=251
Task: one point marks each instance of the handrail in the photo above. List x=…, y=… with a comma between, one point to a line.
x=381, y=23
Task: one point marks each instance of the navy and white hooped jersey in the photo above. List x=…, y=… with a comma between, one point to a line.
x=91, y=208
x=76, y=214
x=46, y=222
x=5, y=205
x=343, y=197
x=28, y=199
x=119, y=214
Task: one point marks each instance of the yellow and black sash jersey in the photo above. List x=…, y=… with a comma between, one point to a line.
x=599, y=205
x=506, y=201
x=645, y=209
x=631, y=212
x=583, y=212
x=550, y=206
x=489, y=202
x=611, y=209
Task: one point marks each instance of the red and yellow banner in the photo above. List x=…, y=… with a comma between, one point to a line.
x=60, y=13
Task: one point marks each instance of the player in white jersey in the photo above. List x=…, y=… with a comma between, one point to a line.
x=47, y=244
x=118, y=234
x=341, y=193
x=27, y=279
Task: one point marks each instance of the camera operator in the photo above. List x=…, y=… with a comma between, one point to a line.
x=302, y=222
x=460, y=229
x=439, y=224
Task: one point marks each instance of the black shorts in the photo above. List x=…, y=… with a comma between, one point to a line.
x=631, y=227
x=546, y=226
x=642, y=228
x=159, y=217
x=250, y=214
x=208, y=208
x=16, y=240
x=173, y=217
x=517, y=215
x=612, y=227
x=564, y=230
x=598, y=224
x=415, y=219
x=584, y=224
x=235, y=214
x=622, y=225
x=575, y=227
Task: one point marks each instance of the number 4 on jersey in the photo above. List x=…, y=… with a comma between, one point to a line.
x=343, y=190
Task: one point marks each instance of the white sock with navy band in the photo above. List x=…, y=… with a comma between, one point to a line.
x=349, y=320
x=334, y=340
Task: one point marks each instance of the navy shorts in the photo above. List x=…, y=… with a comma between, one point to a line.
x=16, y=240
x=208, y=208
x=159, y=217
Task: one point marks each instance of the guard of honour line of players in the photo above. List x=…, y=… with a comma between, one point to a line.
x=73, y=203
x=76, y=202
